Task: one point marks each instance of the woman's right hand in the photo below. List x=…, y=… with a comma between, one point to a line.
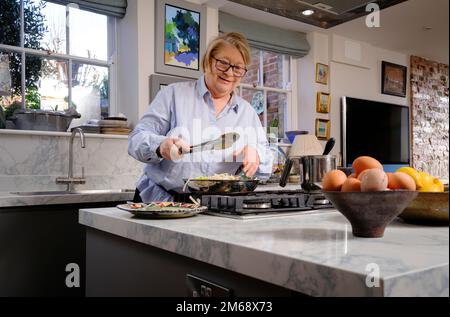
x=172, y=149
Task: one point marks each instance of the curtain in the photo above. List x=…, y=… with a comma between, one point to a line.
x=116, y=8
x=265, y=37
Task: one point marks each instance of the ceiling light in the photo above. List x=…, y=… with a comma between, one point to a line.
x=308, y=12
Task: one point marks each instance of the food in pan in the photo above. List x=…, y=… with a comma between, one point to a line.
x=217, y=177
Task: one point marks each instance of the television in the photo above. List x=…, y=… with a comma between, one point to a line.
x=376, y=129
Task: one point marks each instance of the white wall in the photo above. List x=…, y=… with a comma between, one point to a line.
x=127, y=65
x=136, y=55
x=355, y=70
x=308, y=88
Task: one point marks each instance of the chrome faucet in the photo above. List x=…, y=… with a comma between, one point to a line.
x=70, y=181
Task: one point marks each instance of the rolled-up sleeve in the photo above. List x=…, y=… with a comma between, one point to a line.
x=152, y=129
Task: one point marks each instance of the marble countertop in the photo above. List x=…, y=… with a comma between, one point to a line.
x=315, y=254
x=88, y=196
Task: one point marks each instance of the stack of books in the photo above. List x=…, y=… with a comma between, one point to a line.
x=112, y=125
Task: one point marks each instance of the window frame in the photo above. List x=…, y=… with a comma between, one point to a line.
x=289, y=82
x=70, y=59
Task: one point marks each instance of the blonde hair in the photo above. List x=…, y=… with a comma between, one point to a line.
x=233, y=38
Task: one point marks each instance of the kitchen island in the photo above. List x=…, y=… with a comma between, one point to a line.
x=304, y=254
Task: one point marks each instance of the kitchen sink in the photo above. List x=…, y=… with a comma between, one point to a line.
x=74, y=192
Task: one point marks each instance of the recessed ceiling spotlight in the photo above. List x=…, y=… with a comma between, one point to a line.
x=308, y=12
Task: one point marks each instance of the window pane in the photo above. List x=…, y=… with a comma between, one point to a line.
x=276, y=110
x=274, y=76
x=45, y=26
x=252, y=76
x=256, y=99
x=10, y=22
x=88, y=34
x=90, y=92
x=46, y=83
x=10, y=82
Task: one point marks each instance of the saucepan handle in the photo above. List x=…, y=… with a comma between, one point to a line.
x=286, y=172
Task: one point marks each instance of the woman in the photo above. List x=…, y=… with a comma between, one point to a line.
x=190, y=113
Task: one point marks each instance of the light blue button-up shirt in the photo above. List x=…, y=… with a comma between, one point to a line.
x=186, y=110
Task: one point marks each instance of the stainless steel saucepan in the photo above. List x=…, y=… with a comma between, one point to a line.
x=314, y=168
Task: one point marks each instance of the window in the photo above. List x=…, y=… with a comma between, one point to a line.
x=58, y=57
x=268, y=88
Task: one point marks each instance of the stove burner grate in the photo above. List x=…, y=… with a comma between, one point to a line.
x=264, y=202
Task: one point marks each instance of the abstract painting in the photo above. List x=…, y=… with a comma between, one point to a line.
x=180, y=38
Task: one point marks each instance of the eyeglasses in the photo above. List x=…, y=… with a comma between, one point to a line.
x=224, y=66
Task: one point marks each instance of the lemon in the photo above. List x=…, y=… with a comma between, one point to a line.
x=414, y=174
x=431, y=184
x=439, y=184
x=433, y=188
x=426, y=179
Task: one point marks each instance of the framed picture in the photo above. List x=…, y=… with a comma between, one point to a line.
x=323, y=102
x=180, y=38
x=322, y=71
x=393, y=79
x=323, y=129
x=159, y=82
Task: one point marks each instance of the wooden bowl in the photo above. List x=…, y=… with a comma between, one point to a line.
x=427, y=208
x=370, y=212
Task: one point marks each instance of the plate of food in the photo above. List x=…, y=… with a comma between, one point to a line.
x=162, y=210
x=220, y=184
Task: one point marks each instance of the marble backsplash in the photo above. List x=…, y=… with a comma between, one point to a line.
x=33, y=161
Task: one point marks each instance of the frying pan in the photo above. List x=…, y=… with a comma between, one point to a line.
x=223, y=186
x=211, y=186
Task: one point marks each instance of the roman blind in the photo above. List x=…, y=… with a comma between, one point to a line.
x=116, y=8
x=266, y=37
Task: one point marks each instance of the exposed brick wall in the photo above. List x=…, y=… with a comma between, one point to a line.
x=430, y=116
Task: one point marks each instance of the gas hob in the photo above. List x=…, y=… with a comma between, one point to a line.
x=265, y=204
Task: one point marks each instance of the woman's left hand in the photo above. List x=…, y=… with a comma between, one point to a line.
x=251, y=160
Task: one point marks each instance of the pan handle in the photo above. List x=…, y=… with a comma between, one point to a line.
x=286, y=172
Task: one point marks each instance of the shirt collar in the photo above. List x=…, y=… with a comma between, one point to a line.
x=203, y=92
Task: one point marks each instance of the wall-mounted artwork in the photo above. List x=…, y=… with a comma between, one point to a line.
x=159, y=82
x=180, y=38
x=393, y=79
x=322, y=73
x=323, y=129
x=323, y=102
